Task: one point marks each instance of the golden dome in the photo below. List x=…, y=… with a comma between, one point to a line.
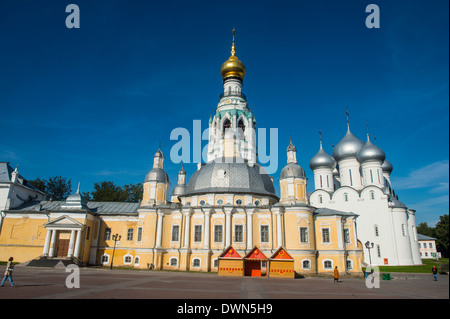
x=232, y=67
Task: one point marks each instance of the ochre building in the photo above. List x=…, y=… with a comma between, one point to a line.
x=230, y=201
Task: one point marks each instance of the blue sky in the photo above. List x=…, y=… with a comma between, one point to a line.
x=93, y=103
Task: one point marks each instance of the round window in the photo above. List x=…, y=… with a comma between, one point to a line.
x=219, y=202
x=202, y=202
x=239, y=202
x=257, y=203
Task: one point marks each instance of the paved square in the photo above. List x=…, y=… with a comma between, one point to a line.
x=50, y=283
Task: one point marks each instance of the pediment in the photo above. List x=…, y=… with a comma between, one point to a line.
x=64, y=222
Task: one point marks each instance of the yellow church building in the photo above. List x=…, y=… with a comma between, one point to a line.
x=230, y=201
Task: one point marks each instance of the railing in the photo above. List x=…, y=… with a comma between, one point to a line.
x=232, y=94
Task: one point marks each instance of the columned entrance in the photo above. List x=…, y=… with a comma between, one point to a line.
x=64, y=237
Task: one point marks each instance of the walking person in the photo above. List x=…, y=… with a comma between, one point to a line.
x=8, y=272
x=434, y=270
x=336, y=274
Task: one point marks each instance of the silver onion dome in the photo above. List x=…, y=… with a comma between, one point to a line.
x=370, y=152
x=348, y=147
x=387, y=166
x=157, y=175
x=292, y=170
x=322, y=159
x=179, y=190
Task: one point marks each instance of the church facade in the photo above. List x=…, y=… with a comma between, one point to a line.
x=230, y=201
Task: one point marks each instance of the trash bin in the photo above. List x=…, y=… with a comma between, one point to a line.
x=386, y=276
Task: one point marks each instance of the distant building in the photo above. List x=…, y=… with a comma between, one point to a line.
x=427, y=247
x=15, y=190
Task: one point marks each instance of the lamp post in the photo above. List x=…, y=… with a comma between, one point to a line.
x=369, y=246
x=116, y=238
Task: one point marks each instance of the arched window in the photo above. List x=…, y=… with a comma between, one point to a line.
x=241, y=125
x=372, y=195
x=226, y=125
x=306, y=264
x=345, y=197
x=320, y=199
x=328, y=264
x=196, y=262
x=173, y=261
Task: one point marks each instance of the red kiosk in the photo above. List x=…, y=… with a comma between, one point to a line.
x=253, y=262
x=281, y=264
x=230, y=263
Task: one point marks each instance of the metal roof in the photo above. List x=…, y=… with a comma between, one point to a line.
x=96, y=207
x=423, y=237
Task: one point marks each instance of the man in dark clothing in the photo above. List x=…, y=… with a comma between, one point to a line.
x=434, y=270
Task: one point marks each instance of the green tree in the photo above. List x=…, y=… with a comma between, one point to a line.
x=57, y=187
x=107, y=191
x=442, y=230
x=40, y=184
x=426, y=230
x=134, y=192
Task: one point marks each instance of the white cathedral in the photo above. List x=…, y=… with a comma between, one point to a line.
x=357, y=178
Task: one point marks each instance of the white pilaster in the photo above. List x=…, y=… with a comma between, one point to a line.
x=206, y=234
x=47, y=242
x=71, y=242
x=78, y=244
x=279, y=231
x=52, y=243
x=187, y=227
x=227, y=226
x=249, y=228
x=159, y=230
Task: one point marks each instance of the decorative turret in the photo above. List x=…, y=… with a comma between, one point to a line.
x=181, y=187
x=156, y=184
x=292, y=179
x=75, y=201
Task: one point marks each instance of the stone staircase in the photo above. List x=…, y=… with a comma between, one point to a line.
x=51, y=262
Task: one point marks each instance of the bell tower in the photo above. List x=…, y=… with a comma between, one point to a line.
x=232, y=128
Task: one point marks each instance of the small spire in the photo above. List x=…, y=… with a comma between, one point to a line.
x=233, y=48
x=320, y=137
x=367, y=132
x=348, y=122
